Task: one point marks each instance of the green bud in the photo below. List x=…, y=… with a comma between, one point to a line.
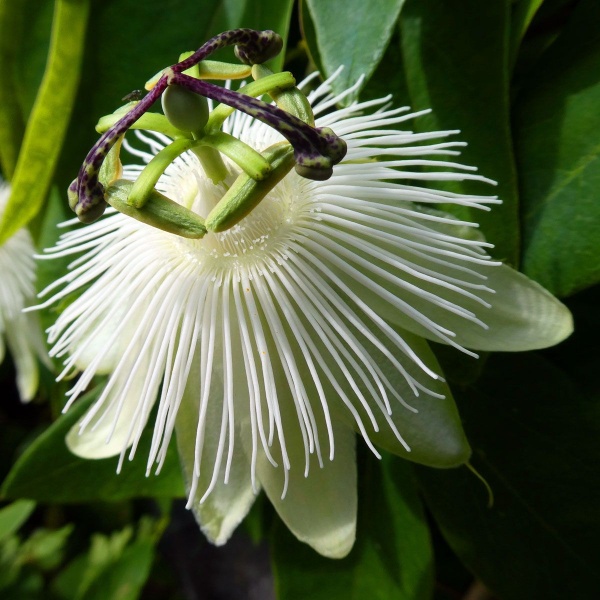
x=184, y=109
x=158, y=211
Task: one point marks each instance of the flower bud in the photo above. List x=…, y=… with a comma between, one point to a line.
x=185, y=109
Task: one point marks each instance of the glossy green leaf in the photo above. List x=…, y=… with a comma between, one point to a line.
x=309, y=38
x=13, y=516
x=354, y=35
x=389, y=77
x=115, y=568
x=557, y=128
x=535, y=440
x=392, y=556
x=49, y=118
x=48, y=472
x=456, y=62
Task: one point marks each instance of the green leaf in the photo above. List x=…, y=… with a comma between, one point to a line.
x=456, y=62
x=11, y=118
x=48, y=472
x=45, y=547
x=392, y=556
x=309, y=38
x=535, y=440
x=557, y=128
x=13, y=516
x=31, y=65
x=388, y=77
x=115, y=568
x=49, y=118
x=355, y=35
x=125, y=579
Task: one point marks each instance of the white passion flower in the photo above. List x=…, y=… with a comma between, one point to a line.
x=21, y=332
x=266, y=347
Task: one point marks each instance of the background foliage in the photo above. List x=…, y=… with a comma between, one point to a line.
x=521, y=80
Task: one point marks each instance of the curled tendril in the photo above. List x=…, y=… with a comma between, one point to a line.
x=315, y=150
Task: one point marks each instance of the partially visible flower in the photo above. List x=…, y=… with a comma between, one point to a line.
x=266, y=346
x=20, y=331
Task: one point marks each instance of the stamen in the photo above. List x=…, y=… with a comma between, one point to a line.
x=253, y=47
x=316, y=150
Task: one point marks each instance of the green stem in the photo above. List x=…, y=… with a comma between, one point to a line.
x=246, y=157
x=144, y=184
x=212, y=163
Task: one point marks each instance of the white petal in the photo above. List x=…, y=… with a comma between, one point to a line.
x=225, y=507
x=21, y=336
x=102, y=437
x=431, y=428
x=522, y=316
x=449, y=291
x=319, y=509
